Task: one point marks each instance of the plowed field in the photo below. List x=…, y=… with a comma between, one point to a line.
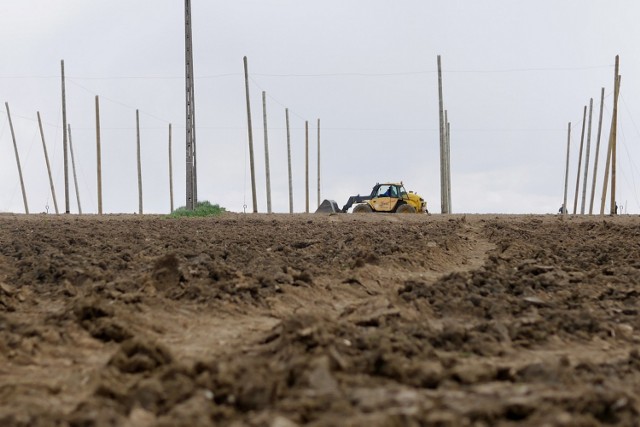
x=319, y=320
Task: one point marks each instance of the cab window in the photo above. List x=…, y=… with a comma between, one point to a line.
x=384, y=191
x=387, y=191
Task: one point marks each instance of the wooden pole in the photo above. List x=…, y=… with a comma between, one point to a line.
x=306, y=165
x=575, y=203
x=605, y=183
x=98, y=156
x=286, y=112
x=448, y=152
x=46, y=158
x=614, y=143
x=170, y=172
x=566, y=172
x=443, y=190
x=65, y=143
x=140, y=211
x=73, y=166
x=586, y=160
x=15, y=149
x=444, y=161
x=318, y=162
x=266, y=150
x=597, y=154
x=250, y=130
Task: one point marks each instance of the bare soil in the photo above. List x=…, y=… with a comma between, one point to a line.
x=319, y=320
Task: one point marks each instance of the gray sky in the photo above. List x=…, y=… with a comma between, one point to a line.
x=515, y=73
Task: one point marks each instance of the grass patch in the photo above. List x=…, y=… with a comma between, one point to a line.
x=203, y=208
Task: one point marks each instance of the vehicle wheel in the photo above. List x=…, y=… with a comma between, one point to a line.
x=362, y=208
x=405, y=209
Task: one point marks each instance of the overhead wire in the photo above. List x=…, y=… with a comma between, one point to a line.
x=122, y=104
x=293, y=112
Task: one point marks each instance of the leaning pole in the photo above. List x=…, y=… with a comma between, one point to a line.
x=15, y=148
x=250, y=131
x=46, y=158
x=566, y=172
x=67, y=203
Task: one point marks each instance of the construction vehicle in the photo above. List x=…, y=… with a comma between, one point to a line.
x=387, y=197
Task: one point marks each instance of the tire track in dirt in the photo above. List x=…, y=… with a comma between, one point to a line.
x=359, y=294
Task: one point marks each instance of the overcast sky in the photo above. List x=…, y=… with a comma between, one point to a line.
x=514, y=73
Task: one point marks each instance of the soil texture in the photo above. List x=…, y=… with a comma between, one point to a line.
x=319, y=320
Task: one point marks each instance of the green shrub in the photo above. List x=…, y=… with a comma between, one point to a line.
x=203, y=208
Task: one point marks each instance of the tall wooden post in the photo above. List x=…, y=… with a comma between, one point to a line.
x=605, y=183
x=191, y=168
x=443, y=189
x=586, y=160
x=566, y=172
x=448, y=153
x=98, y=156
x=447, y=162
x=266, y=150
x=73, y=167
x=250, y=130
x=140, y=211
x=15, y=149
x=575, y=203
x=170, y=171
x=286, y=113
x=306, y=165
x=614, y=142
x=46, y=158
x=65, y=143
x=616, y=89
x=595, y=161
x=318, y=162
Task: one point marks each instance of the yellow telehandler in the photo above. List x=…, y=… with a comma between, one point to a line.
x=388, y=197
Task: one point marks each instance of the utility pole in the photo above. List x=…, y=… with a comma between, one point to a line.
x=575, y=203
x=566, y=172
x=191, y=175
x=266, y=150
x=98, y=156
x=286, y=113
x=65, y=142
x=46, y=158
x=250, y=130
x=15, y=148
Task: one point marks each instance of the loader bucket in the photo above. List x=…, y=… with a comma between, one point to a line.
x=328, y=206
